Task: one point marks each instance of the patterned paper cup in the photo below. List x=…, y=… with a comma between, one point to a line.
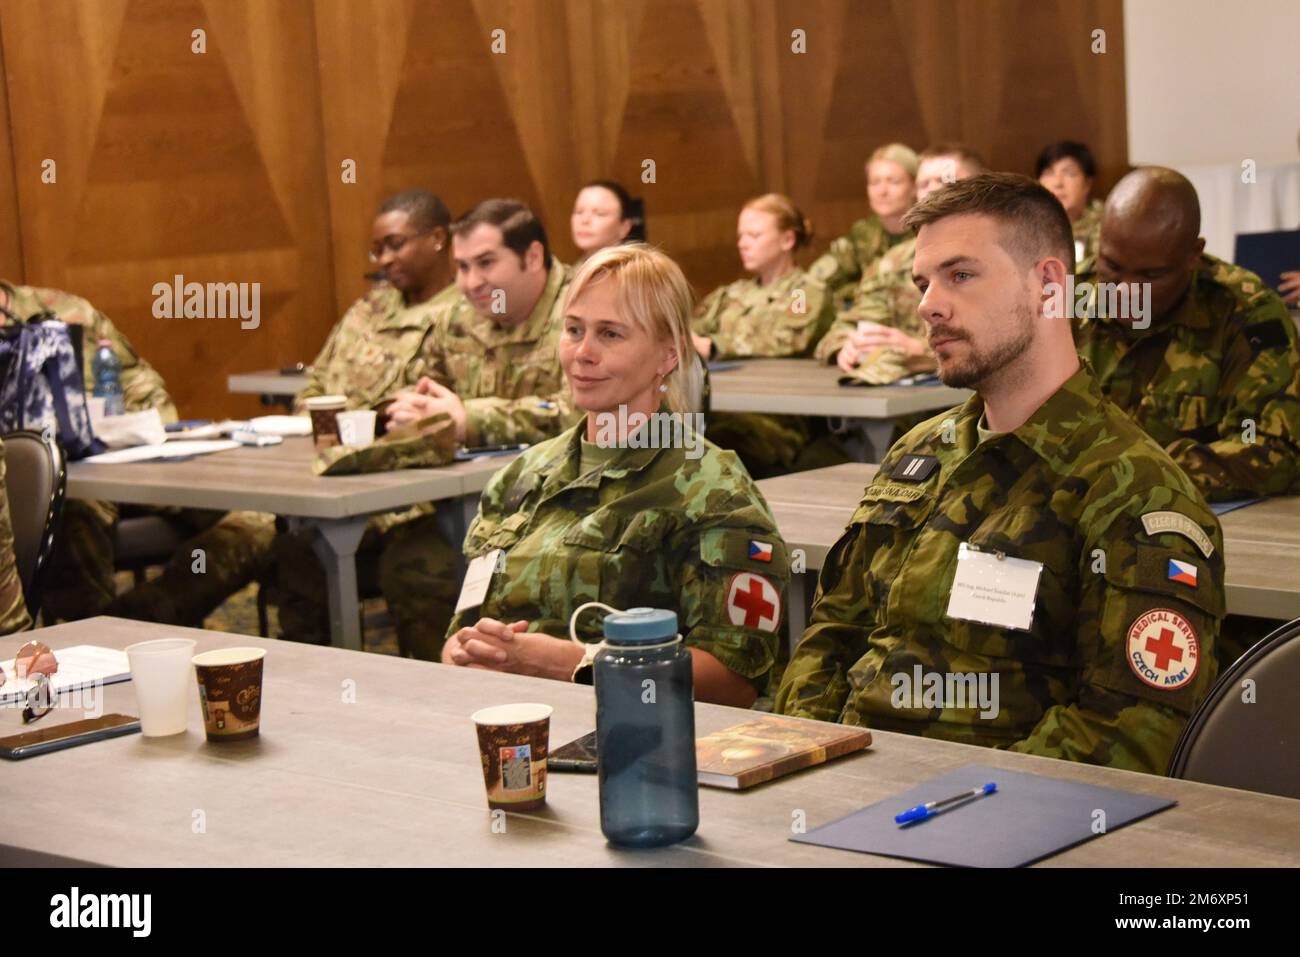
x=512, y=743
x=230, y=691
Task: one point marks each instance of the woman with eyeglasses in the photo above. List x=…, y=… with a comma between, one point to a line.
x=628, y=507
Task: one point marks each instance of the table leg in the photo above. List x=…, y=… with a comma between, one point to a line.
x=454, y=517
x=796, y=614
x=335, y=545
x=878, y=433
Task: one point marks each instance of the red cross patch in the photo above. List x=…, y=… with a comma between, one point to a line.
x=753, y=602
x=1163, y=649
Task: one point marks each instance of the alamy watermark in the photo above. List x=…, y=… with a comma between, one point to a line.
x=1117, y=300
x=658, y=430
x=212, y=300
x=934, y=689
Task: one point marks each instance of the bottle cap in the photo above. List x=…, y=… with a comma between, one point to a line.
x=638, y=626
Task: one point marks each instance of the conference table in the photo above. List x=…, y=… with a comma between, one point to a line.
x=768, y=386
x=388, y=775
x=1261, y=541
x=279, y=479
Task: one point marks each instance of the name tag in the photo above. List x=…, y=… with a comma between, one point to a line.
x=474, y=589
x=994, y=590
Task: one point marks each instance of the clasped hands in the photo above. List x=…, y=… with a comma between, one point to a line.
x=426, y=399
x=870, y=336
x=494, y=645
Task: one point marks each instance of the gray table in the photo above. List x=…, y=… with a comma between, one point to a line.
x=1261, y=542
x=394, y=780
x=808, y=387
x=278, y=479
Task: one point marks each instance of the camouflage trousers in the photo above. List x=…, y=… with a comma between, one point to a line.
x=772, y=445
x=404, y=554
x=235, y=548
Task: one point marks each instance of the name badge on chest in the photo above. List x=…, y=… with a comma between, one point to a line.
x=994, y=589
x=475, y=587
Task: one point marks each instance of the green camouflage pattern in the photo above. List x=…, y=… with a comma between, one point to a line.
x=13, y=606
x=887, y=296
x=648, y=527
x=375, y=350
x=509, y=379
x=1069, y=489
x=1226, y=356
x=142, y=386
x=854, y=255
x=745, y=320
x=1087, y=233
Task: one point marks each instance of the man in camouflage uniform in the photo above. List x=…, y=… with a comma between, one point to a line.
x=895, y=346
x=1212, y=370
x=13, y=606
x=375, y=351
x=784, y=318
x=1101, y=655
x=236, y=546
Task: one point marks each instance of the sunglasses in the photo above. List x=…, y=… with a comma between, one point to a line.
x=35, y=661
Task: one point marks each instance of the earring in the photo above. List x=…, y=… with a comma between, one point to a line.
x=663, y=386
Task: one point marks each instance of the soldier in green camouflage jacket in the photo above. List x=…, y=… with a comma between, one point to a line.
x=625, y=514
x=375, y=351
x=13, y=606
x=236, y=546
x=780, y=312
x=893, y=346
x=1209, y=365
x=891, y=190
x=929, y=618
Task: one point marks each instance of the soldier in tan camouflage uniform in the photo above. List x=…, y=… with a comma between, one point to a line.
x=592, y=516
x=13, y=606
x=1067, y=170
x=893, y=345
x=1102, y=643
x=375, y=351
x=891, y=190
x=780, y=312
x=236, y=546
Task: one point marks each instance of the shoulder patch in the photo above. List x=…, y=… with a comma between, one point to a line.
x=1158, y=523
x=1163, y=649
x=914, y=468
x=1267, y=335
x=753, y=602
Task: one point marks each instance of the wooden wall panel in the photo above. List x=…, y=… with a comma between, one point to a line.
x=226, y=166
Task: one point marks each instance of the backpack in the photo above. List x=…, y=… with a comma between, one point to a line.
x=41, y=383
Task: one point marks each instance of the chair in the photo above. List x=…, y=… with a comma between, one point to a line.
x=140, y=541
x=1252, y=744
x=35, y=481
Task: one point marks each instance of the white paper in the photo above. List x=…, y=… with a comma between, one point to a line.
x=477, y=578
x=168, y=450
x=992, y=590
x=281, y=425
x=130, y=429
x=79, y=667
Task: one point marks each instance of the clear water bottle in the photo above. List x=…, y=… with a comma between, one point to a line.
x=107, y=370
x=645, y=731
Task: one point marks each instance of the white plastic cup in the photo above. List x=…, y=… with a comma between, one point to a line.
x=163, y=676
x=357, y=428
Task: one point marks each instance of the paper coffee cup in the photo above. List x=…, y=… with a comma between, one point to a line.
x=356, y=428
x=324, y=411
x=513, y=740
x=230, y=691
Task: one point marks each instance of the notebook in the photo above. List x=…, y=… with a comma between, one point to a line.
x=79, y=667
x=768, y=747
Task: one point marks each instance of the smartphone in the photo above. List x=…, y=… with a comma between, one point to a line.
x=485, y=451
x=579, y=755
x=60, y=736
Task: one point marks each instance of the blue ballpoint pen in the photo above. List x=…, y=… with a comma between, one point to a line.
x=922, y=811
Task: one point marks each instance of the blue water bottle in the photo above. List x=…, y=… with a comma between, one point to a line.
x=645, y=731
x=108, y=378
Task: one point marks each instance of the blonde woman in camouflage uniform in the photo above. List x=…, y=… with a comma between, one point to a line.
x=779, y=311
x=592, y=516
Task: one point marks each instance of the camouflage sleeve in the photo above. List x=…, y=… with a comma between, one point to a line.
x=142, y=386
x=838, y=268
x=1254, y=450
x=730, y=604
x=491, y=511
x=816, y=681
x=13, y=607
x=800, y=333
x=707, y=320
x=324, y=360
x=828, y=347
x=531, y=419
x=1149, y=618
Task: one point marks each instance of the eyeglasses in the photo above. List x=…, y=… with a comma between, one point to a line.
x=394, y=244
x=35, y=661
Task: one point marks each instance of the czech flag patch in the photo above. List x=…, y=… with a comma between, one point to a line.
x=1184, y=572
x=760, y=551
